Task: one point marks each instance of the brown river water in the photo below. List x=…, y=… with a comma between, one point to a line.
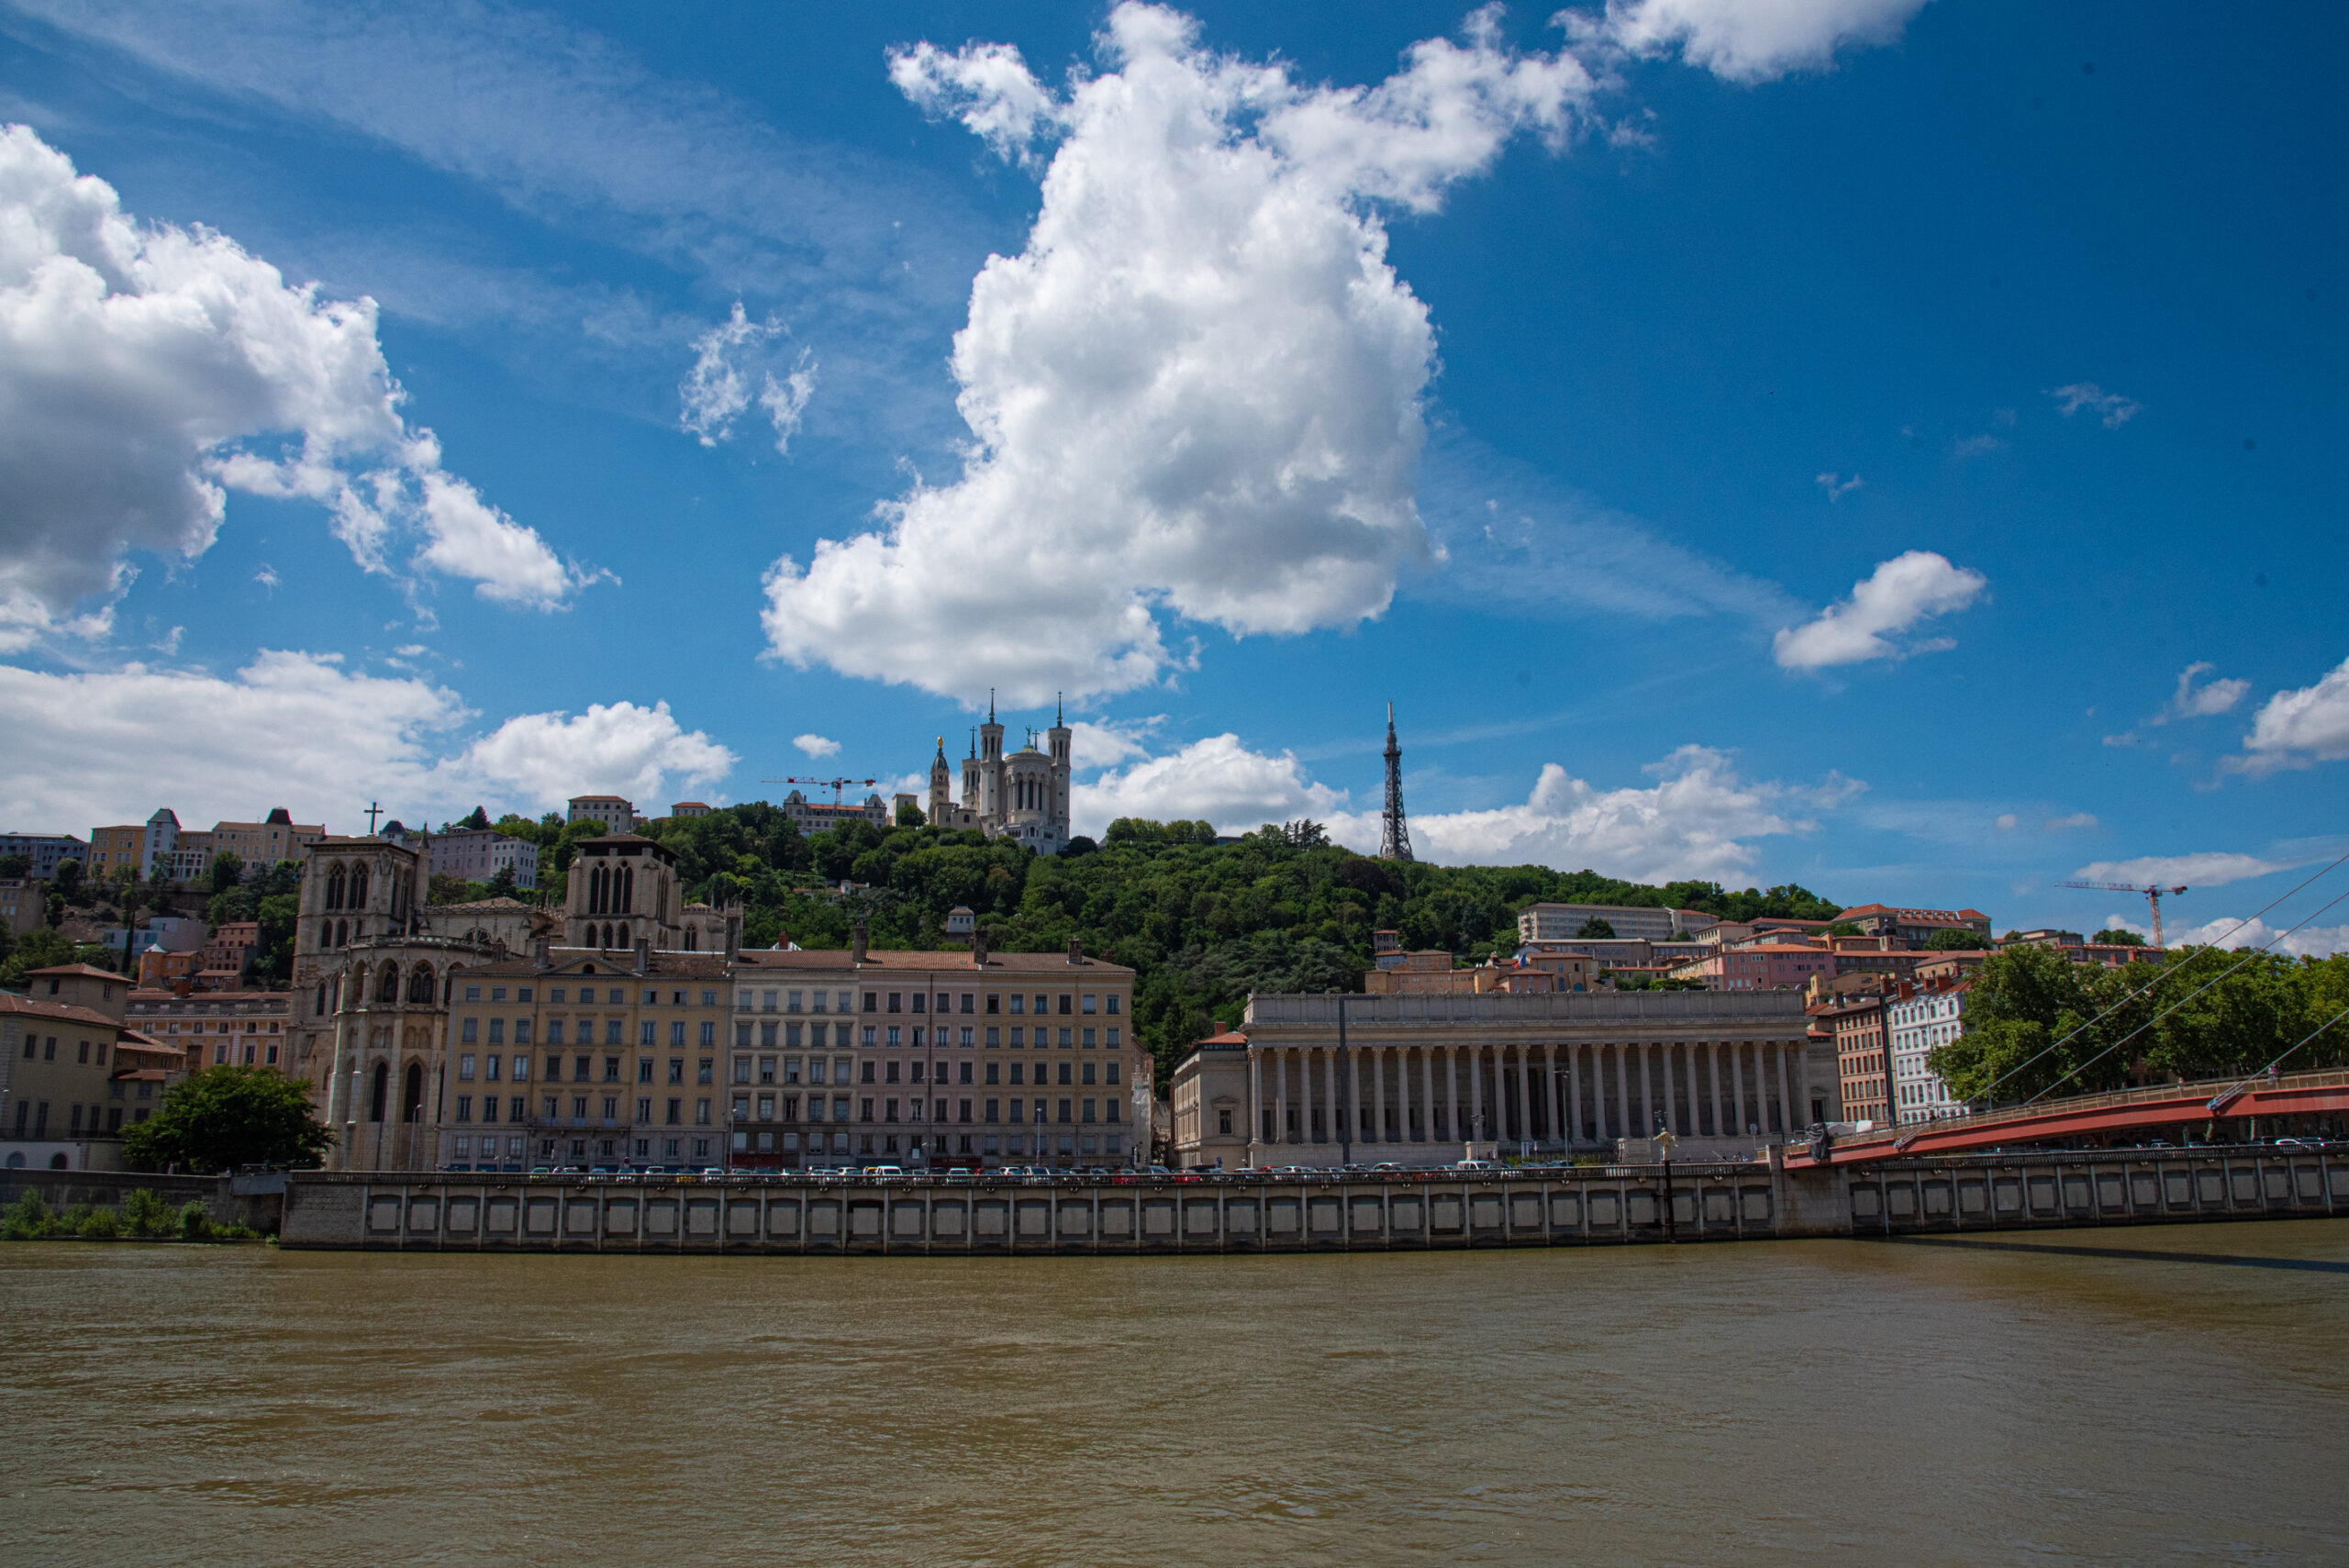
x=2165, y=1394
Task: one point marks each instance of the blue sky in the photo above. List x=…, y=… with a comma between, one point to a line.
x=1871, y=444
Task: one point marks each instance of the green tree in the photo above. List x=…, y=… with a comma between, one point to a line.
x=223, y=1117
x=227, y=871
x=501, y=883
x=40, y=948
x=15, y=867
x=1956, y=939
x=273, y=960
x=67, y=879
x=1594, y=930
x=2118, y=937
x=477, y=821
x=909, y=814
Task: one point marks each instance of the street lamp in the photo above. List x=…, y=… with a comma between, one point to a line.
x=1345, y=1082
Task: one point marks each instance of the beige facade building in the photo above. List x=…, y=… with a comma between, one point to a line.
x=73, y=1075
x=1424, y=1080
x=934, y=1060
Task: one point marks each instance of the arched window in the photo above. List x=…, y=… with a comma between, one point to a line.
x=326, y=933
x=412, y=1102
x=625, y=939
x=419, y=984
x=389, y=990
x=321, y=1011
x=692, y=939
x=380, y=1092
x=626, y=903
x=343, y=933
x=358, y=888
x=334, y=888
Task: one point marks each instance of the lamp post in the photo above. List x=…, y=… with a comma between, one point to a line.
x=1666, y=1140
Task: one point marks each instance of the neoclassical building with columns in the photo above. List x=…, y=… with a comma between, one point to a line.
x=1424, y=1080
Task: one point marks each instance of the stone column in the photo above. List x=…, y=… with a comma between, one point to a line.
x=1280, y=1096
x=1713, y=1063
x=1427, y=1095
x=1786, y=1111
x=1453, y=1132
x=1737, y=1084
x=1525, y=1123
x=1476, y=1089
x=1623, y=1088
x=1379, y=1091
x=1255, y=1095
x=1556, y=1123
x=1671, y=1090
x=1574, y=1094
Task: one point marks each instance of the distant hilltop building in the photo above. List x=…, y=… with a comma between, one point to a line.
x=813, y=816
x=1023, y=797
x=616, y=814
x=1563, y=922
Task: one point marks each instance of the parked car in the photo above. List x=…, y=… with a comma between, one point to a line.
x=1475, y=1165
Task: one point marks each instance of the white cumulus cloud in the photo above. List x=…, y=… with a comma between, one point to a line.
x=1216, y=779
x=1911, y=587
x=2232, y=932
x=1698, y=820
x=301, y=731
x=1195, y=394
x=816, y=746
x=717, y=388
x=2297, y=728
x=2110, y=407
x=2210, y=869
x=146, y=371
x=1748, y=40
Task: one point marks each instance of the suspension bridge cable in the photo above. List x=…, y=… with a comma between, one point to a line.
x=2127, y=996
x=2248, y=954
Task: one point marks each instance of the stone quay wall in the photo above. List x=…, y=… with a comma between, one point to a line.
x=1569, y=1207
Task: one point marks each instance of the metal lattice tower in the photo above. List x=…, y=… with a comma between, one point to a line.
x=1394, y=832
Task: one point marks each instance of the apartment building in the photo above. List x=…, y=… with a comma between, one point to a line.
x=215, y=1028
x=24, y=904
x=579, y=1061
x=478, y=855
x=1762, y=966
x=935, y=1060
x=616, y=814
x=1919, y=1022
x=1913, y=926
x=73, y=1075
x=1862, y=1057
x=45, y=851
x=1560, y=922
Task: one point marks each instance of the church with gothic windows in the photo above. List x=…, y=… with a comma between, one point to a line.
x=1023, y=797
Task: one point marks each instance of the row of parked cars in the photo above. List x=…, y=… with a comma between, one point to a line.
x=1031, y=1175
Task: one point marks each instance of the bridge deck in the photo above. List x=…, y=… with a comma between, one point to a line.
x=2324, y=1092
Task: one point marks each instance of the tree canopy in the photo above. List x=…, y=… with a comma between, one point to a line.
x=1956, y=939
x=2036, y=1021
x=223, y=1117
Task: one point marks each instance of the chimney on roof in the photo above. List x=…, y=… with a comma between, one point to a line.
x=856, y=941
x=1076, y=950
x=733, y=935
x=978, y=947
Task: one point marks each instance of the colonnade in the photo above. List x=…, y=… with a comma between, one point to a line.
x=1555, y=1094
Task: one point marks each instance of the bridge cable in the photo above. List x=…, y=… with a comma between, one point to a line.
x=2248, y=954
x=1990, y=1092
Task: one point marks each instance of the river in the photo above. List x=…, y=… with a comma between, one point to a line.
x=2171, y=1393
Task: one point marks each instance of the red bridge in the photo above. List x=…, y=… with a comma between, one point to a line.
x=2093, y=1115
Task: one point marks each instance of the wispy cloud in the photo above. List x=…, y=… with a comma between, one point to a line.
x=1837, y=487
x=2110, y=407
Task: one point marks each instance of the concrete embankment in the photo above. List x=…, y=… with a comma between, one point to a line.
x=1580, y=1206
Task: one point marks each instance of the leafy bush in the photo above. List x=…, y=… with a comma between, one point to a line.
x=196, y=1222
x=29, y=1218
x=99, y=1225
x=144, y=1214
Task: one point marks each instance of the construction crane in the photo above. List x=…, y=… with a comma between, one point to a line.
x=835, y=785
x=2151, y=895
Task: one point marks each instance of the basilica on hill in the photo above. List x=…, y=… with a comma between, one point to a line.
x=1024, y=796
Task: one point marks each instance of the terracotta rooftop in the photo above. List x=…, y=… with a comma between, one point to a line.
x=86, y=971
x=944, y=959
